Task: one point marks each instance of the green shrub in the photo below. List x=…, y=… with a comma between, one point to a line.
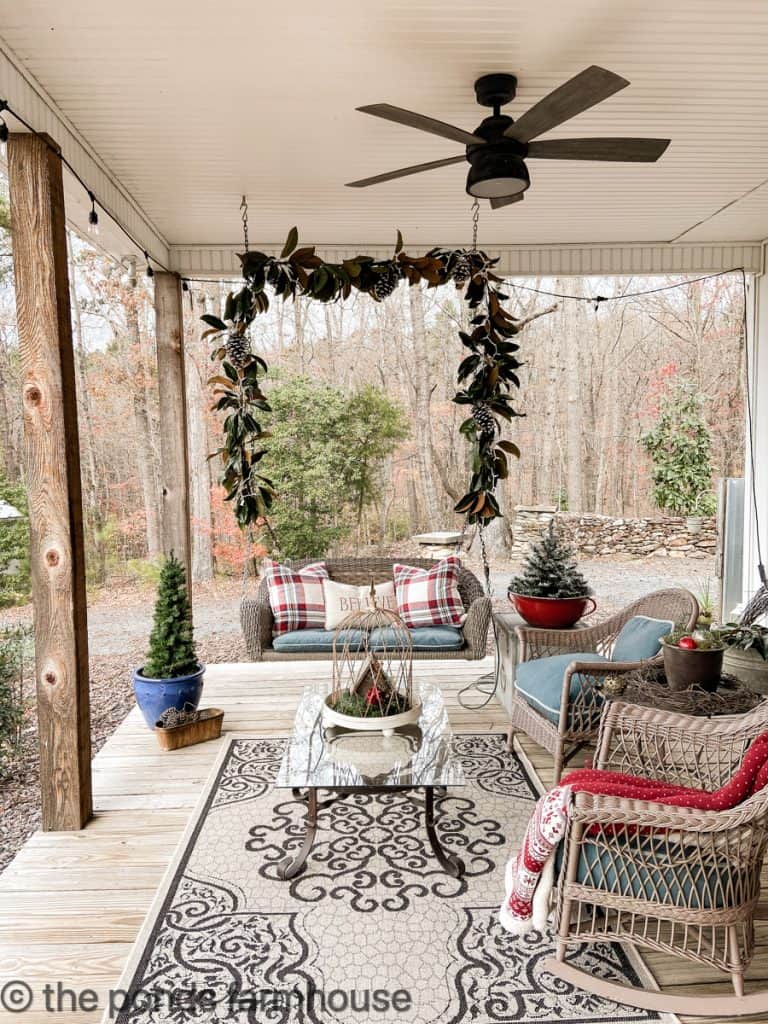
x=14, y=548
x=326, y=450
x=14, y=650
x=681, y=452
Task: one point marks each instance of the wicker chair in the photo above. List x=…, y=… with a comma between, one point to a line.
x=672, y=879
x=580, y=711
x=257, y=621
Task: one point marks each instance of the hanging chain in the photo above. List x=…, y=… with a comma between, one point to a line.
x=244, y=218
x=475, y=222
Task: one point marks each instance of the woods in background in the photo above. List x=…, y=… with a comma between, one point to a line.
x=365, y=447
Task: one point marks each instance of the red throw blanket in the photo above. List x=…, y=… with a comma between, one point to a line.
x=525, y=909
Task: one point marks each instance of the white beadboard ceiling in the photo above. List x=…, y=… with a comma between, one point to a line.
x=190, y=103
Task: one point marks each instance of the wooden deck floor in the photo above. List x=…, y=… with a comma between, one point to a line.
x=71, y=904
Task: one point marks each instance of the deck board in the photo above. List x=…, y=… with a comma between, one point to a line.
x=71, y=904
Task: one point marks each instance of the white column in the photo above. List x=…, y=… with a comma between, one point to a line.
x=757, y=346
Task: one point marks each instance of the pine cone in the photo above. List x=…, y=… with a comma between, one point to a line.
x=462, y=270
x=387, y=279
x=238, y=349
x=484, y=420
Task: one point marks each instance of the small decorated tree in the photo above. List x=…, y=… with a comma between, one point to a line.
x=171, y=643
x=550, y=570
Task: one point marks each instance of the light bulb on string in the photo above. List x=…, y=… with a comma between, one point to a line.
x=93, y=217
x=3, y=128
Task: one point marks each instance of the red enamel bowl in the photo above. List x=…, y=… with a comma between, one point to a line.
x=552, y=612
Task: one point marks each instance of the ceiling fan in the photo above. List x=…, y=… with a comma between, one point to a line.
x=498, y=148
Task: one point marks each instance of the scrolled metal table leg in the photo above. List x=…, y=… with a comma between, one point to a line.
x=449, y=862
x=292, y=865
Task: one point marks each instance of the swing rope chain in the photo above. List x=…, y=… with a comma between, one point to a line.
x=244, y=218
x=475, y=223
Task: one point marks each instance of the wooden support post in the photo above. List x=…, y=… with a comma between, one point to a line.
x=174, y=458
x=52, y=466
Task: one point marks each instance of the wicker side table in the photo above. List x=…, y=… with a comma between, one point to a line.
x=648, y=687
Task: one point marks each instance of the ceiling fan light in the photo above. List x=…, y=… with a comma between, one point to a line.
x=494, y=174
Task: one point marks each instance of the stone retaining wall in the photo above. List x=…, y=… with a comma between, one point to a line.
x=591, y=534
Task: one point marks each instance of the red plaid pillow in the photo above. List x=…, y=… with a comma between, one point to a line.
x=296, y=596
x=429, y=597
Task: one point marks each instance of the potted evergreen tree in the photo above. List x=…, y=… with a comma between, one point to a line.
x=550, y=592
x=171, y=677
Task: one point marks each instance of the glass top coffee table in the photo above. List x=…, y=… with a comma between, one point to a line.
x=344, y=762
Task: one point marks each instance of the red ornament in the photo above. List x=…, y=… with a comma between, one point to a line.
x=373, y=696
x=687, y=643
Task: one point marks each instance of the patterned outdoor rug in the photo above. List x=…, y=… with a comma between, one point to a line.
x=372, y=930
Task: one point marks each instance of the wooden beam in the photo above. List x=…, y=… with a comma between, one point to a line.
x=52, y=466
x=174, y=457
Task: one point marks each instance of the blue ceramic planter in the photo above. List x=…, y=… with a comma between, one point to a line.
x=154, y=696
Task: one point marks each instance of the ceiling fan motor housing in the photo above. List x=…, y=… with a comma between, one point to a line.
x=497, y=168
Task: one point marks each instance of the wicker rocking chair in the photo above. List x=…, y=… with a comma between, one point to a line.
x=681, y=881
x=573, y=720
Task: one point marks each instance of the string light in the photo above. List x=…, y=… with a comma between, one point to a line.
x=93, y=217
x=3, y=127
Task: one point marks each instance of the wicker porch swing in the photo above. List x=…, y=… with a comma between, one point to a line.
x=670, y=879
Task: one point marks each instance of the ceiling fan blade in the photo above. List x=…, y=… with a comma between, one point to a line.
x=506, y=200
x=579, y=93
x=422, y=122
x=629, y=150
x=403, y=172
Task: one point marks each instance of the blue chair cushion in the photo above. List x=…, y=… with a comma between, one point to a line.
x=640, y=638
x=540, y=682
x=649, y=870
x=320, y=641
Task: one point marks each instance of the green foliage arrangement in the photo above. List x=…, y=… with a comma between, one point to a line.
x=171, y=643
x=326, y=449
x=706, y=640
x=745, y=638
x=14, y=548
x=14, y=650
x=550, y=570
x=486, y=376
x=681, y=452
x=356, y=705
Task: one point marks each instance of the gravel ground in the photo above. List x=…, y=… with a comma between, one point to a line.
x=119, y=622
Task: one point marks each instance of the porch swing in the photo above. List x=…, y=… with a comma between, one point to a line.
x=670, y=879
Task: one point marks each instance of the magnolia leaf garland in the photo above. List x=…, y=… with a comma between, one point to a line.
x=486, y=376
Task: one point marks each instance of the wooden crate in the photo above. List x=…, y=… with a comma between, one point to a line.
x=207, y=727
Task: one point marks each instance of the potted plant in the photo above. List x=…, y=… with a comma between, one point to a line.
x=746, y=654
x=706, y=604
x=171, y=676
x=550, y=591
x=693, y=659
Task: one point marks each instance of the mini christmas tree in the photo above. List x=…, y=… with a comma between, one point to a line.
x=171, y=643
x=550, y=570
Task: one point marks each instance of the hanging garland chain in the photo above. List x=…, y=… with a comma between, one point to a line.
x=486, y=376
